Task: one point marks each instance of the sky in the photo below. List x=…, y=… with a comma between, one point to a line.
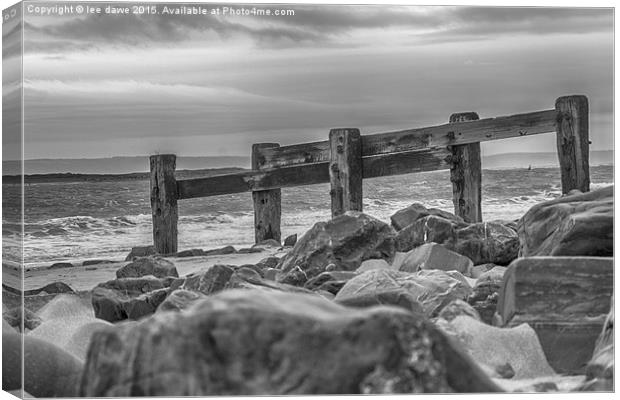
x=102, y=85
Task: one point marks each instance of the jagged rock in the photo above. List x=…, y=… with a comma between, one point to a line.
x=600, y=369
x=369, y=265
x=48, y=370
x=156, y=266
x=180, y=300
x=220, y=252
x=61, y=265
x=131, y=298
x=577, y=225
x=96, y=262
x=271, y=274
x=14, y=318
x=266, y=342
x=290, y=240
x=409, y=215
x=250, y=250
x=65, y=306
x=482, y=242
x=255, y=267
x=51, y=288
x=211, y=281
x=329, y=280
x=565, y=299
x=480, y=269
x=390, y=297
x=141, y=251
x=433, y=289
x=508, y=351
x=269, y=262
x=486, y=293
x=435, y=256
x=246, y=278
x=190, y=253
x=345, y=241
x=457, y=308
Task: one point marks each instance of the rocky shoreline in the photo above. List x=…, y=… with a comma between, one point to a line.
x=427, y=303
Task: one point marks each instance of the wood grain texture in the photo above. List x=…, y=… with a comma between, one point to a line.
x=466, y=175
x=532, y=123
x=573, y=142
x=164, y=203
x=267, y=203
x=345, y=171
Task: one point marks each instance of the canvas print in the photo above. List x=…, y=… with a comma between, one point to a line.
x=218, y=199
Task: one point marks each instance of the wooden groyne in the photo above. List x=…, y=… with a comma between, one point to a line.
x=348, y=157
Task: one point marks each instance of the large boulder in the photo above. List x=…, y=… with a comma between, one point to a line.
x=330, y=280
x=435, y=256
x=407, y=216
x=50, y=288
x=141, y=251
x=254, y=342
x=574, y=225
x=345, y=241
x=433, y=289
x=485, y=293
x=600, y=369
x=430, y=228
x=129, y=298
x=211, y=281
x=180, y=299
x=143, y=266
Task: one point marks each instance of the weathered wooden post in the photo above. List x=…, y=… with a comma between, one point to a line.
x=164, y=203
x=345, y=170
x=466, y=175
x=267, y=203
x=573, y=142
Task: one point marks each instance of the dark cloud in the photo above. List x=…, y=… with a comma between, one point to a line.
x=323, y=25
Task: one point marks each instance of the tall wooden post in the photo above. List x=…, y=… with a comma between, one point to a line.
x=466, y=175
x=345, y=170
x=267, y=204
x=164, y=203
x=573, y=142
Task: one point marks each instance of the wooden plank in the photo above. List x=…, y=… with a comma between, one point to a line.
x=345, y=171
x=532, y=123
x=466, y=175
x=310, y=174
x=164, y=203
x=267, y=204
x=573, y=142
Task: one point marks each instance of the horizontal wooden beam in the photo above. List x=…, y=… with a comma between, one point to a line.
x=419, y=138
x=310, y=174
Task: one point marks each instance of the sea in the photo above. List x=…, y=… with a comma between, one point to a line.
x=76, y=221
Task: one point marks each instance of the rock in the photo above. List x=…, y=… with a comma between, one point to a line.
x=390, y=297
x=65, y=306
x=554, y=383
x=480, y=269
x=373, y=264
x=482, y=242
x=435, y=256
x=213, y=280
x=48, y=370
x=508, y=351
x=61, y=265
x=267, y=243
x=250, y=250
x=565, y=299
x=220, y=252
x=131, y=298
x=290, y=240
x=345, y=241
x=271, y=274
x=96, y=262
x=265, y=342
x=255, y=267
x=190, y=253
x=269, y=262
x=486, y=293
x=457, y=308
x=409, y=215
x=180, y=300
x=246, y=278
x=577, y=225
x=14, y=318
x=52, y=288
x=332, y=278
x=141, y=251
x=600, y=369
x=433, y=289
x=156, y=266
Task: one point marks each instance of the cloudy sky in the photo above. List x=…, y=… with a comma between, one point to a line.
x=106, y=85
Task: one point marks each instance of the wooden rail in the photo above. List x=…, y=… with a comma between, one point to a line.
x=348, y=157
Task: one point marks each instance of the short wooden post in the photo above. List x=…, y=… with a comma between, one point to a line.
x=164, y=203
x=267, y=204
x=345, y=170
x=466, y=175
x=573, y=142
